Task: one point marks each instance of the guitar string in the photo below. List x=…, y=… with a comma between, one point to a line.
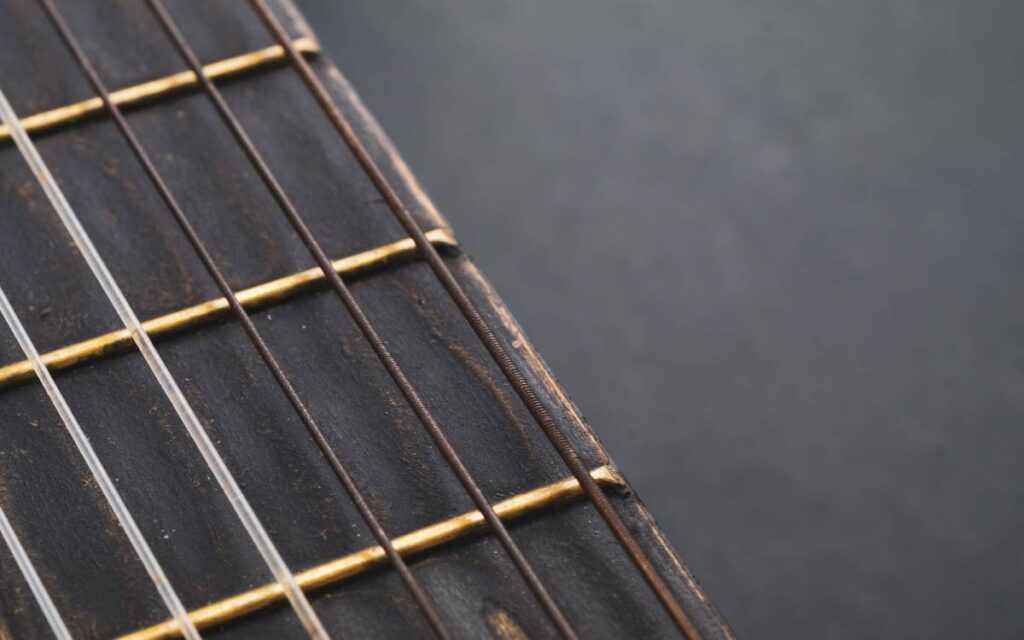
x=218, y=468
x=527, y=394
x=99, y=472
x=450, y=292
x=356, y=312
x=242, y=315
x=35, y=584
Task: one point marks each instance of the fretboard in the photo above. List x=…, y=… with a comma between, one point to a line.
x=470, y=578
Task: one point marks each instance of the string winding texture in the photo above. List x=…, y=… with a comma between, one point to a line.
x=137, y=332
x=366, y=327
x=216, y=464
x=480, y=326
x=414, y=587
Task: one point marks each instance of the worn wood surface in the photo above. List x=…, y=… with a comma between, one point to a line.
x=79, y=549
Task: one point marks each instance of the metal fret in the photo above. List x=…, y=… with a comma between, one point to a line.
x=542, y=416
x=160, y=87
x=249, y=327
x=366, y=326
x=356, y=563
x=206, y=312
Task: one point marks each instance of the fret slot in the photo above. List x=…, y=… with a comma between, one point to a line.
x=160, y=87
x=205, y=312
x=353, y=564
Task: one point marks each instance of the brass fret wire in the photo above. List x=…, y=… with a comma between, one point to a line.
x=524, y=389
x=251, y=298
x=353, y=564
x=242, y=316
x=161, y=86
x=355, y=311
x=215, y=463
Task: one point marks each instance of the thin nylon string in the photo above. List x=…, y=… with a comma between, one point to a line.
x=382, y=538
x=42, y=596
x=476, y=320
x=366, y=327
x=223, y=476
x=103, y=480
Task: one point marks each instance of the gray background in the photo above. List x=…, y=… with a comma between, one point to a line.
x=772, y=249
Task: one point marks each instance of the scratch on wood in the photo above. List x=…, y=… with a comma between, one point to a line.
x=436, y=325
x=533, y=359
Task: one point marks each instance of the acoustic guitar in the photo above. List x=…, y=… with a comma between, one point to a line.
x=252, y=385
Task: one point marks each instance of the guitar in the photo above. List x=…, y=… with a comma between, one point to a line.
x=254, y=387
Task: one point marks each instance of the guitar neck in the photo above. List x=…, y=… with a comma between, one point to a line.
x=78, y=547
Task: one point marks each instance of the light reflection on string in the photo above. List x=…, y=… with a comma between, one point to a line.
x=366, y=326
x=182, y=407
x=36, y=585
x=313, y=428
x=99, y=472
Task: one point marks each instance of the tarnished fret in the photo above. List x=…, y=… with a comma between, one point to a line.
x=166, y=85
x=205, y=312
x=353, y=564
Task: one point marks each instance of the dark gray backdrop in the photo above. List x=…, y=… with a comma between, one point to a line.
x=772, y=249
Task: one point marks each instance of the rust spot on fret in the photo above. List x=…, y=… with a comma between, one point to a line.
x=159, y=87
x=205, y=312
x=353, y=564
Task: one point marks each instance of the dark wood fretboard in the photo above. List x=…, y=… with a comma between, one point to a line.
x=67, y=528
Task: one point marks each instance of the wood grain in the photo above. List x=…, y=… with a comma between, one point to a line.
x=83, y=558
